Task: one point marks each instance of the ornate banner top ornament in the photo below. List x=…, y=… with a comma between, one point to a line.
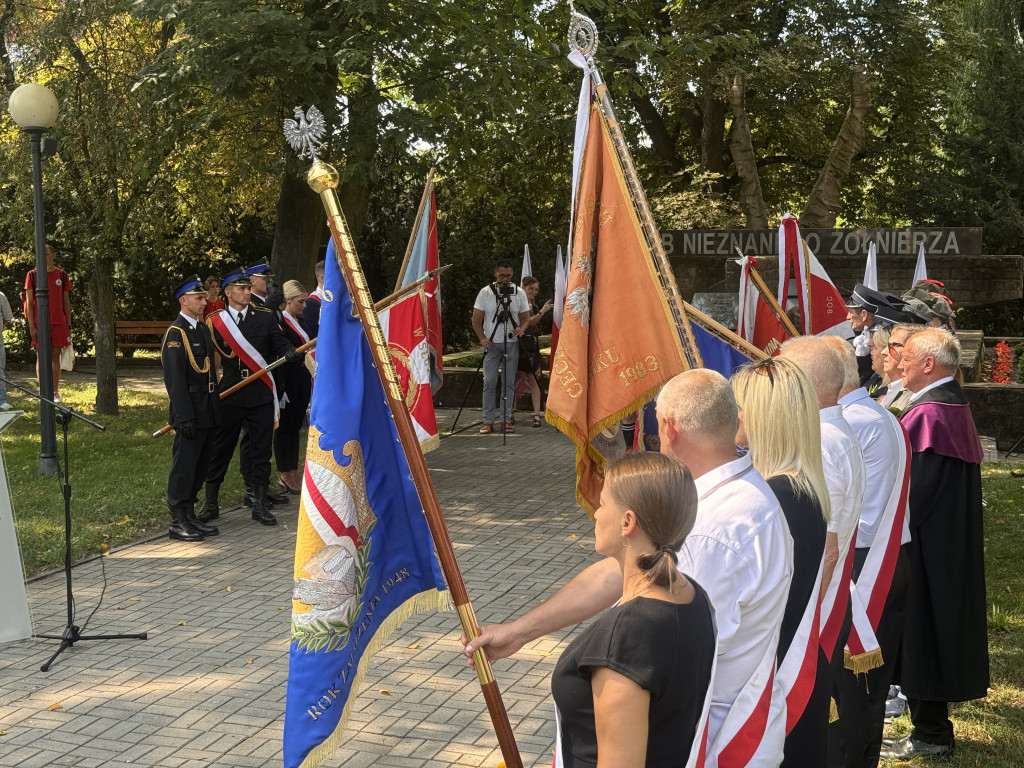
x=305, y=134
x=582, y=33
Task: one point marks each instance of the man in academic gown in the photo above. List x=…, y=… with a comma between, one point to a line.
x=945, y=644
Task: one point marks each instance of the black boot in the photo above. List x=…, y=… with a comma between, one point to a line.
x=276, y=496
x=211, y=507
x=250, y=494
x=198, y=525
x=260, y=513
x=179, y=527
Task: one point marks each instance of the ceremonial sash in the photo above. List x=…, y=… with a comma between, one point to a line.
x=871, y=589
x=794, y=679
x=295, y=326
x=246, y=352
x=836, y=600
x=745, y=726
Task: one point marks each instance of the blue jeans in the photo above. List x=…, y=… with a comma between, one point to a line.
x=3, y=372
x=492, y=361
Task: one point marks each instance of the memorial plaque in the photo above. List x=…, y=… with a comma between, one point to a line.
x=723, y=307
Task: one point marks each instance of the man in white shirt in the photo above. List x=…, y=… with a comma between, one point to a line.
x=501, y=313
x=844, y=476
x=856, y=738
x=739, y=550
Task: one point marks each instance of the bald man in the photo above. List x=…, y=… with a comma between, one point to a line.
x=739, y=550
x=844, y=476
x=945, y=642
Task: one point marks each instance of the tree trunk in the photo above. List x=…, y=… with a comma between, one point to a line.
x=742, y=147
x=300, y=230
x=712, y=141
x=101, y=299
x=823, y=204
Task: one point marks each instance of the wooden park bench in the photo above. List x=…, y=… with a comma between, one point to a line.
x=134, y=329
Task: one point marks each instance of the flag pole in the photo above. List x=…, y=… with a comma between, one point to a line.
x=387, y=301
x=415, y=228
x=583, y=37
x=323, y=179
x=771, y=301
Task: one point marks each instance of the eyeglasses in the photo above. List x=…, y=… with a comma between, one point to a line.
x=894, y=345
x=766, y=368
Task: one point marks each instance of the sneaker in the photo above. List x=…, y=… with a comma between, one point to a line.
x=895, y=704
x=5, y=406
x=56, y=397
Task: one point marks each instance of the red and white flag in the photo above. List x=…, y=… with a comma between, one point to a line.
x=561, y=278
x=404, y=324
x=757, y=322
x=822, y=309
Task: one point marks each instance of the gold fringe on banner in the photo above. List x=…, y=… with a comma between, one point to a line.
x=863, y=662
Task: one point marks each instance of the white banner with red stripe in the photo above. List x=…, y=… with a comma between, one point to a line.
x=836, y=600
x=245, y=351
x=870, y=591
x=741, y=741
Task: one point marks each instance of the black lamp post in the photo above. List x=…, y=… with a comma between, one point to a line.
x=34, y=109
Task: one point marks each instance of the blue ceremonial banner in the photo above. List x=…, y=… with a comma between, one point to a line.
x=364, y=558
x=717, y=354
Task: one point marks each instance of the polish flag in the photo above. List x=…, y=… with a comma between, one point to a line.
x=757, y=323
x=821, y=305
x=561, y=273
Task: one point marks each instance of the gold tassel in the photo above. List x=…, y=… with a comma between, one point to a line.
x=863, y=662
x=833, y=711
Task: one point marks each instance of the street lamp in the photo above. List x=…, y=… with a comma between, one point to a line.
x=34, y=109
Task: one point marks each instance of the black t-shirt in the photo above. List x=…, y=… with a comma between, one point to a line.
x=808, y=529
x=664, y=648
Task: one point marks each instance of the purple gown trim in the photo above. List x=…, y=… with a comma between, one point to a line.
x=947, y=429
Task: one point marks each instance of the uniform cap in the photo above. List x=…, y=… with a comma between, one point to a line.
x=261, y=268
x=191, y=284
x=235, y=277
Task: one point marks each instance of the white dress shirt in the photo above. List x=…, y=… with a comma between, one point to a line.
x=235, y=313
x=892, y=391
x=880, y=447
x=741, y=552
x=844, y=476
x=190, y=320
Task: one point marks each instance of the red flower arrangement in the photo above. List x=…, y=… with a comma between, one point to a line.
x=1003, y=365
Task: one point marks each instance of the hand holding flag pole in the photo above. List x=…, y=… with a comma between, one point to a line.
x=256, y=376
x=323, y=179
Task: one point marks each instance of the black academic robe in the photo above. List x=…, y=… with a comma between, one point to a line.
x=945, y=640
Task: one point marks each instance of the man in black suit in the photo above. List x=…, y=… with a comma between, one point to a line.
x=248, y=338
x=190, y=379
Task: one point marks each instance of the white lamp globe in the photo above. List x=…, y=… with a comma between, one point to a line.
x=33, y=107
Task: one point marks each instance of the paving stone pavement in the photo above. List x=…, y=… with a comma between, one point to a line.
x=208, y=686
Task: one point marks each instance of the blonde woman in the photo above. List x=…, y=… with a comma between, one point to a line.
x=296, y=386
x=878, y=341
x=631, y=689
x=780, y=424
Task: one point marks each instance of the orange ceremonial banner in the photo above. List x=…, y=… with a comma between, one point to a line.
x=618, y=343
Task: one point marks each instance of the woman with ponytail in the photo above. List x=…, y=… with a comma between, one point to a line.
x=632, y=688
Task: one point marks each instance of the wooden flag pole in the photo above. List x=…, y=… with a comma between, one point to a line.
x=772, y=302
x=416, y=228
x=323, y=179
x=256, y=376
x=387, y=301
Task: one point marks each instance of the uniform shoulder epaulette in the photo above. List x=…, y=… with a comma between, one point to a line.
x=258, y=309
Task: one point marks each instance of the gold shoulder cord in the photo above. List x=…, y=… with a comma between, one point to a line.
x=229, y=354
x=191, y=357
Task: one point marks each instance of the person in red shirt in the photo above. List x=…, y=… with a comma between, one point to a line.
x=60, y=313
x=213, y=300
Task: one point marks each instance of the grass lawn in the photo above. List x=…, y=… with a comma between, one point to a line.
x=119, y=481
x=118, y=478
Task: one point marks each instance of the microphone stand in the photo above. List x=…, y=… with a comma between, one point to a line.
x=71, y=634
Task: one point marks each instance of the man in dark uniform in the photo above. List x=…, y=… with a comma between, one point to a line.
x=190, y=379
x=945, y=637
x=263, y=295
x=248, y=338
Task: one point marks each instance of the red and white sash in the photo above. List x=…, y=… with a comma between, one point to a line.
x=296, y=327
x=836, y=600
x=870, y=591
x=742, y=734
x=229, y=331
x=794, y=679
